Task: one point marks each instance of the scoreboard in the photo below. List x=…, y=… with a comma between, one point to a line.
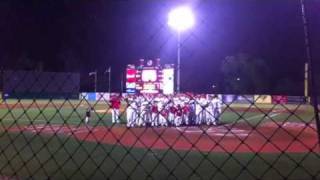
x=150, y=78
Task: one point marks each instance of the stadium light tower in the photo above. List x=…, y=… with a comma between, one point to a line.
x=180, y=19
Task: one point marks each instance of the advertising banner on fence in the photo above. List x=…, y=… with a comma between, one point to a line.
x=242, y=99
x=246, y=99
x=102, y=96
x=228, y=98
x=83, y=96
x=296, y=100
x=279, y=99
x=262, y=99
x=92, y=96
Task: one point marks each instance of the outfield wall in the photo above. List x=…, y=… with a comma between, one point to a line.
x=226, y=98
x=94, y=96
x=263, y=99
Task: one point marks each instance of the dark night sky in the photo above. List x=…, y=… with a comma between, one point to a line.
x=84, y=35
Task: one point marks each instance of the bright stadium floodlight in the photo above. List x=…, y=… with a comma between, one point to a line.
x=180, y=19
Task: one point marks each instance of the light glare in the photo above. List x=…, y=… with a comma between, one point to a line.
x=181, y=18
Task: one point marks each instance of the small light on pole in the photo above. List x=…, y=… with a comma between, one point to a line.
x=214, y=88
x=180, y=19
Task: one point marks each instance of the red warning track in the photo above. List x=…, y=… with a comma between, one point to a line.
x=267, y=138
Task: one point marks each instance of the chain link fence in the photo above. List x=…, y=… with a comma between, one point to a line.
x=49, y=129
x=181, y=136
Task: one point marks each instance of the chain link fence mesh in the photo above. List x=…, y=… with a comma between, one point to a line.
x=72, y=139
x=48, y=130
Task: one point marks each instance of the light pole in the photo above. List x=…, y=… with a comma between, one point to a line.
x=108, y=70
x=178, y=61
x=307, y=49
x=180, y=19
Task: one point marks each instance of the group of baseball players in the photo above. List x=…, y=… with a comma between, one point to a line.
x=160, y=110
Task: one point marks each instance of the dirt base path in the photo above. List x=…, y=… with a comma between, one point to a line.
x=267, y=138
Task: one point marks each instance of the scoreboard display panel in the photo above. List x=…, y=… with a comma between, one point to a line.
x=149, y=75
x=168, y=80
x=148, y=78
x=131, y=79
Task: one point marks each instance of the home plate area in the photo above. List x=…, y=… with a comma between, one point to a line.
x=269, y=137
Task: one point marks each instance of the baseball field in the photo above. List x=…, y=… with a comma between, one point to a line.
x=42, y=138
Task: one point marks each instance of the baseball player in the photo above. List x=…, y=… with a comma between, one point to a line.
x=178, y=118
x=155, y=114
x=146, y=111
x=140, y=112
x=115, y=107
x=186, y=112
x=131, y=112
x=163, y=115
x=210, y=111
x=171, y=113
x=88, y=115
x=192, y=109
x=198, y=110
x=216, y=109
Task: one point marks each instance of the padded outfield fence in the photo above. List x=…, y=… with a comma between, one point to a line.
x=49, y=129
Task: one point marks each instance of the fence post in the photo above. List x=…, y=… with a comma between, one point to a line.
x=313, y=90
